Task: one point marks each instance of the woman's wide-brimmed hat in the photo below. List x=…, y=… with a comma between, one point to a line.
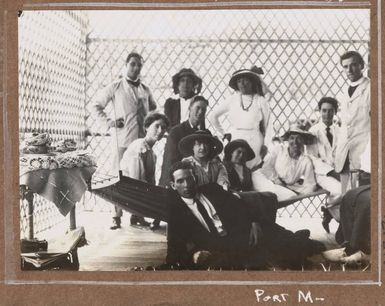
x=308, y=137
x=190, y=73
x=238, y=143
x=186, y=144
x=252, y=73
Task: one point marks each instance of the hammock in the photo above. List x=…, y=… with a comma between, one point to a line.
x=137, y=197
x=151, y=201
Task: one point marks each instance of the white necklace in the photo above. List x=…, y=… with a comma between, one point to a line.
x=246, y=108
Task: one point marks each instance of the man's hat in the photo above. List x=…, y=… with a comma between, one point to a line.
x=186, y=144
x=252, y=73
x=308, y=137
x=239, y=143
x=190, y=73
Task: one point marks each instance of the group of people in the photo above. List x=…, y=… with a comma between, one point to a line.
x=210, y=223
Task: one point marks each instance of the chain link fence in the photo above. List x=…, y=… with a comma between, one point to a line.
x=299, y=51
x=82, y=52
x=52, y=56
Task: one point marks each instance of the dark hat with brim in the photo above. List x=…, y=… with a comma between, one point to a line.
x=252, y=74
x=186, y=144
x=190, y=73
x=239, y=143
x=308, y=137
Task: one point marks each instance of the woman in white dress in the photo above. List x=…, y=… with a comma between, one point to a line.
x=247, y=110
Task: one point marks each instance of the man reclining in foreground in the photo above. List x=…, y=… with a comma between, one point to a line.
x=211, y=227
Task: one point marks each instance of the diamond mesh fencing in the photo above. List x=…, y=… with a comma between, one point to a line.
x=65, y=57
x=298, y=50
x=52, y=55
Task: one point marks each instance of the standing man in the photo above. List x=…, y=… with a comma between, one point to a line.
x=355, y=119
x=323, y=156
x=131, y=101
x=185, y=84
x=197, y=112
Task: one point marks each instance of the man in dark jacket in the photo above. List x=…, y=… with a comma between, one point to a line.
x=208, y=226
x=197, y=112
x=186, y=84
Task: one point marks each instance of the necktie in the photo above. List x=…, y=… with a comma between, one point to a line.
x=206, y=217
x=329, y=135
x=351, y=90
x=134, y=83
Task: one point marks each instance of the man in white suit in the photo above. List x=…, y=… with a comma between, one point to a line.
x=131, y=101
x=322, y=153
x=355, y=119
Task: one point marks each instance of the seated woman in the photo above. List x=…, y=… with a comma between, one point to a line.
x=237, y=153
x=139, y=160
x=286, y=170
x=202, y=149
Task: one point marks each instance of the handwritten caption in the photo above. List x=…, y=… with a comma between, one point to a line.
x=301, y=297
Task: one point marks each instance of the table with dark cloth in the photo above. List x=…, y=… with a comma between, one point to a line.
x=61, y=178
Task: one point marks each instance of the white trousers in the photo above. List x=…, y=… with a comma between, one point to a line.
x=334, y=187
x=261, y=183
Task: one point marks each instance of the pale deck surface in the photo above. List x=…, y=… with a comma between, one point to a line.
x=130, y=247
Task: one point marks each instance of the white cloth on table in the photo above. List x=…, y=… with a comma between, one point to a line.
x=245, y=121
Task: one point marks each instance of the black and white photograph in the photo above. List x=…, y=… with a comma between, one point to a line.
x=195, y=140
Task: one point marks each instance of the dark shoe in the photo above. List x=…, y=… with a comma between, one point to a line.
x=155, y=225
x=304, y=233
x=137, y=220
x=326, y=218
x=115, y=223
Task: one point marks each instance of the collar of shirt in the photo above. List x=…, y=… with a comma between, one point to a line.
x=287, y=155
x=358, y=82
x=133, y=82
x=184, y=108
x=212, y=213
x=324, y=126
x=145, y=146
x=195, y=161
x=198, y=127
x=136, y=80
x=190, y=202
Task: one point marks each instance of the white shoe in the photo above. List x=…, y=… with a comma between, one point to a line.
x=358, y=257
x=335, y=255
